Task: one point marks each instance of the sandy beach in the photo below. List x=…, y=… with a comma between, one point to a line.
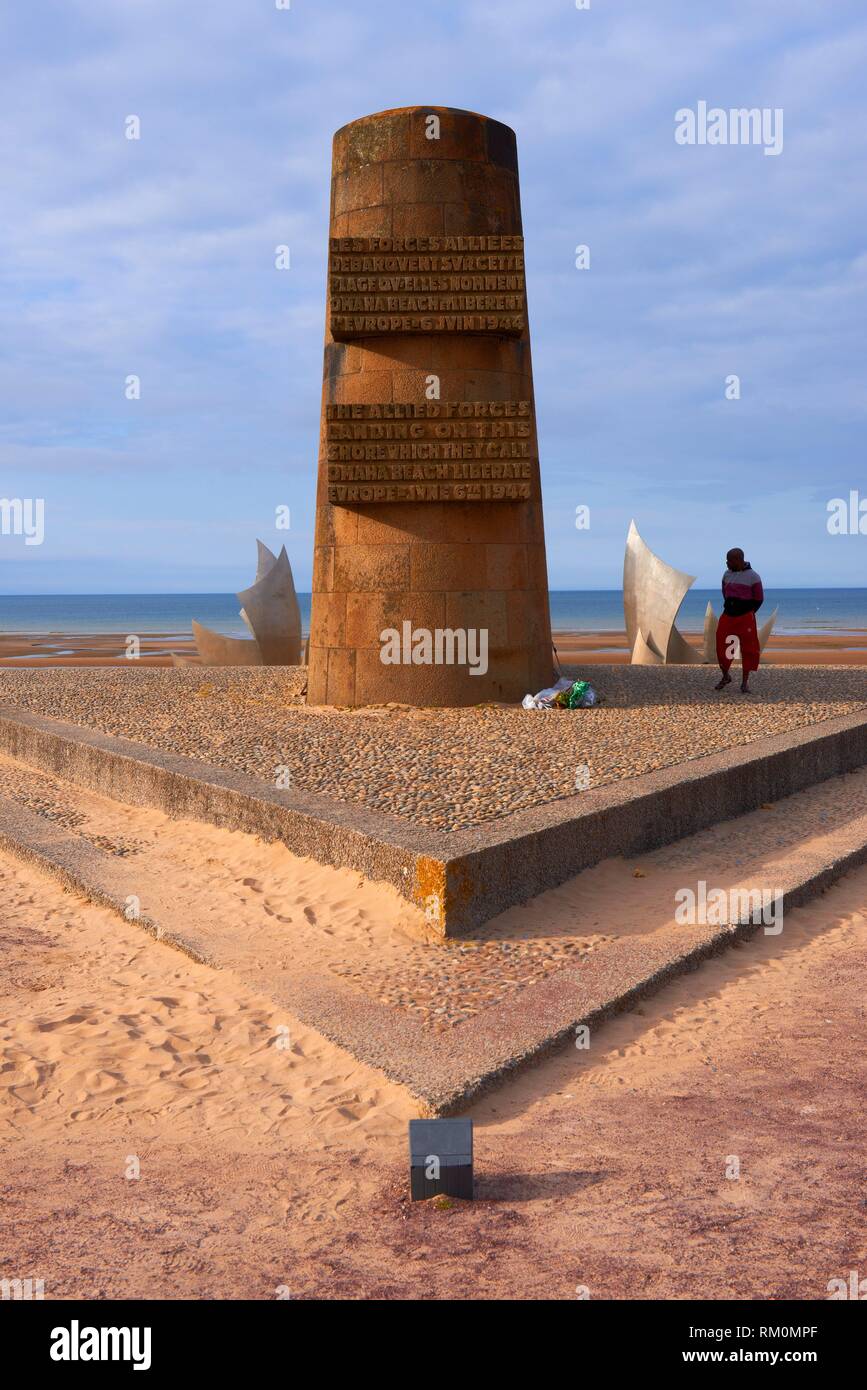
x=167, y=1133
x=171, y=1131
x=91, y=649
x=808, y=649
x=108, y=649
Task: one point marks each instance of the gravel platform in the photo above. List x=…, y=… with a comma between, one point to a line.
x=444, y=769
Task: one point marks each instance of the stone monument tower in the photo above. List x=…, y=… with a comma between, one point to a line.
x=429, y=581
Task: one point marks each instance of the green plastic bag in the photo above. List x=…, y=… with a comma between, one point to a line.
x=580, y=695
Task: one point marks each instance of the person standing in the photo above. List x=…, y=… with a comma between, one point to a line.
x=743, y=596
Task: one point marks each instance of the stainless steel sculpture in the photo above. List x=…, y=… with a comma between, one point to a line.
x=766, y=629
x=652, y=594
x=270, y=610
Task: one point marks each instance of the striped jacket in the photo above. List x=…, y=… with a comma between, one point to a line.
x=742, y=592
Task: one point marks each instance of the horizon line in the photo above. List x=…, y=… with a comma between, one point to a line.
x=223, y=593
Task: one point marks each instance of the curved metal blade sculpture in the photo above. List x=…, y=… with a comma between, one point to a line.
x=652, y=594
x=270, y=610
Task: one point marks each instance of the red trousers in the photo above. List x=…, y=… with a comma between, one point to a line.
x=744, y=629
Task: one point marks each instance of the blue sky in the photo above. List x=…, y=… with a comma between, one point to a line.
x=156, y=257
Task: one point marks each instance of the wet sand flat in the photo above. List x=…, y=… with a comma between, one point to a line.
x=108, y=649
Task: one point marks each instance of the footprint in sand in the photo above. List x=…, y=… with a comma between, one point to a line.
x=310, y=915
x=61, y=1023
x=272, y=912
x=97, y=1082
x=253, y=883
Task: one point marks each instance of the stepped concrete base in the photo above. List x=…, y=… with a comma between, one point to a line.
x=461, y=879
x=443, y=1075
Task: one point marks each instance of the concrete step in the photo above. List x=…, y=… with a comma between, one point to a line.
x=791, y=851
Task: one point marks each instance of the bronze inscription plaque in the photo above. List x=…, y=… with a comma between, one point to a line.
x=426, y=284
x=437, y=451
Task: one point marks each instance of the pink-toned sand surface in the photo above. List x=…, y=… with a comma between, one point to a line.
x=270, y=1157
